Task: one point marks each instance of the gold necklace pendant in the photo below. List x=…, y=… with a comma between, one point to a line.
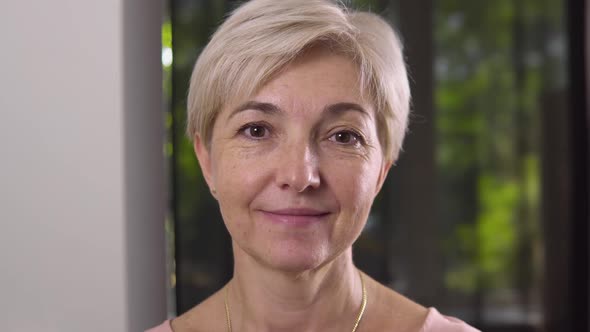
x=356, y=323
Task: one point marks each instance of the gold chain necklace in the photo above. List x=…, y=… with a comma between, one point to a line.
x=356, y=323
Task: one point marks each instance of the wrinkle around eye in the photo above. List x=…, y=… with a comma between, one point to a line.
x=246, y=131
x=364, y=147
x=355, y=138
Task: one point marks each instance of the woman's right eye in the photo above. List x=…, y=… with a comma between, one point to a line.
x=255, y=131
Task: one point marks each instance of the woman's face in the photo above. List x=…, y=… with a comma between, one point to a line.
x=297, y=166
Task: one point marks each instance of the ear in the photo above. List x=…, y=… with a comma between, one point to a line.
x=204, y=156
x=386, y=165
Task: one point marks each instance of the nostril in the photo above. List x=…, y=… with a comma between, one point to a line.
x=297, y=169
x=298, y=179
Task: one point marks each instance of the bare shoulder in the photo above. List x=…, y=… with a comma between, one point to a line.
x=388, y=310
x=207, y=316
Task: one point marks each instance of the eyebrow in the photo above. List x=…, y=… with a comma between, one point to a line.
x=345, y=107
x=269, y=108
x=266, y=108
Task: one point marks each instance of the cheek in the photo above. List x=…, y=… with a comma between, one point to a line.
x=354, y=189
x=355, y=184
x=238, y=179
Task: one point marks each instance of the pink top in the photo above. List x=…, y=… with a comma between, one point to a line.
x=435, y=322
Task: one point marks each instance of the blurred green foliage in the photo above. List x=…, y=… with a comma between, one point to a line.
x=493, y=61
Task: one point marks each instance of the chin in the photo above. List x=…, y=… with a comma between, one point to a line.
x=293, y=257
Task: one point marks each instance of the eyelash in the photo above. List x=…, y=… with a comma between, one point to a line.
x=247, y=126
x=358, y=138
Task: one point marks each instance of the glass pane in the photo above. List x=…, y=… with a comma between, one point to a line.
x=480, y=256
x=495, y=62
x=202, y=245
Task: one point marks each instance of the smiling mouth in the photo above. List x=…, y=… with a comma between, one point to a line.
x=296, y=217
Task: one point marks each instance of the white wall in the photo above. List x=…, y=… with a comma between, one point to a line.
x=81, y=169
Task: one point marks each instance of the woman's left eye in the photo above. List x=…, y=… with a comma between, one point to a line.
x=346, y=138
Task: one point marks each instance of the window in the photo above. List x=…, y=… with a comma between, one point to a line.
x=476, y=218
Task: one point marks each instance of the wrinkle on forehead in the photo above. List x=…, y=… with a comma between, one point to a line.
x=282, y=84
x=309, y=84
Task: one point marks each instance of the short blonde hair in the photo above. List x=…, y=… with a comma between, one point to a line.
x=261, y=37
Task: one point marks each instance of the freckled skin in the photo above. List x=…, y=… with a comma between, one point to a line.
x=299, y=162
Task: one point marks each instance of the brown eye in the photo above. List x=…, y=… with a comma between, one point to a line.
x=346, y=138
x=257, y=131
x=254, y=131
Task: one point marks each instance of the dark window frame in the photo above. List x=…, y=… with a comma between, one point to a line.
x=574, y=255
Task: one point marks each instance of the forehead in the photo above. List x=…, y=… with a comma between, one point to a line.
x=316, y=79
x=312, y=82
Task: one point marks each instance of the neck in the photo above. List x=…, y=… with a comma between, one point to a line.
x=265, y=299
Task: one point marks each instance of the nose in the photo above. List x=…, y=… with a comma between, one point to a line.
x=297, y=168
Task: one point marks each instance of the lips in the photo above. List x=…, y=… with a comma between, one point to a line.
x=295, y=216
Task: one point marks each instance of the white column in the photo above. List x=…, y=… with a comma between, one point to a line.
x=81, y=171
